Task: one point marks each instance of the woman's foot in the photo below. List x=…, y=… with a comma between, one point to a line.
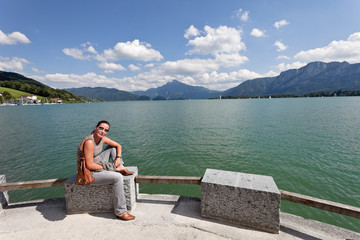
x=126, y=216
x=121, y=169
x=126, y=172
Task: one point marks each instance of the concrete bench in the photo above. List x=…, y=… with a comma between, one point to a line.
x=245, y=199
x=95, y=198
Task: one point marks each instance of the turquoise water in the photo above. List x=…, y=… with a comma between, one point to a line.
x=308, y=145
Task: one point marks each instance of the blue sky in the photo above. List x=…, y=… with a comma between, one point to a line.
x=137, y=45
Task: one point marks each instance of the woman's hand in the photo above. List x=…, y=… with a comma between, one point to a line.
x=117, y=162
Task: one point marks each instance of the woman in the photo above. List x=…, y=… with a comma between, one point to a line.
x=97, y=161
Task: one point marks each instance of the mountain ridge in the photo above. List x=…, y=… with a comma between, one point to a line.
x=314, y=77
x=106, y=94
x=178, y=90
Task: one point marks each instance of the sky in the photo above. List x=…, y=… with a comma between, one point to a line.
x=141, y=44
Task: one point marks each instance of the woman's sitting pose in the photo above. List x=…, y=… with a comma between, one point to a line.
x=104, y=171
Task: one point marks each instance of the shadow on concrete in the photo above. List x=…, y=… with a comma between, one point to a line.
x=297, y=234
x=51, y=209
x=161, y=202
x=190, y=207
x=110, y=215
x=106, y=215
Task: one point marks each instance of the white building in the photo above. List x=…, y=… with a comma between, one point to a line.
x=29, y=99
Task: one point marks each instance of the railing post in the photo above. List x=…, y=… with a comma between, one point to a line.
x=4, y=197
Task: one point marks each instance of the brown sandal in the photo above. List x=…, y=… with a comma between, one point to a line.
x=125, y=216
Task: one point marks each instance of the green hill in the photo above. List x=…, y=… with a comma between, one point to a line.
x=15, y=93
x=30, y=86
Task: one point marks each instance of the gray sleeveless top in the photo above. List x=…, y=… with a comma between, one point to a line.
x=97, y=149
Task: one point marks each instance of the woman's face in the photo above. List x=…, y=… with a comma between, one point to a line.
x=102, y=130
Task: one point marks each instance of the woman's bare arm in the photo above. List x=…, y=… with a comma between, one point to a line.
x=89, y=158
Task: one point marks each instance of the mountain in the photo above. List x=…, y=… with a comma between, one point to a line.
x=314, y=77
x=178, y=90
x=106, y=94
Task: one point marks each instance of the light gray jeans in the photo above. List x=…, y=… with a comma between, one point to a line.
x=104, y=177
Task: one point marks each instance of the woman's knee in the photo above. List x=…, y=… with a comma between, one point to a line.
x=118, y=178
x=107, y=177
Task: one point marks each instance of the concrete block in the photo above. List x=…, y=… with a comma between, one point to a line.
x=95, y=198
x=245, y=199
x=4, y=197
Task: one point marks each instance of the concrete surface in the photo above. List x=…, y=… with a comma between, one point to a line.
x=245, y=199
x=157, y=217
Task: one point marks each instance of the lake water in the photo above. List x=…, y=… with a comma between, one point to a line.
x=308, y=145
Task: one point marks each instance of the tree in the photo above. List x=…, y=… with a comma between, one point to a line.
x=7, y=95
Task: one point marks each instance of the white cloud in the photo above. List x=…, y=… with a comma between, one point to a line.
x=281, y=23
x=92, y=50
x=223, y=80
x=342, y=50
x=211, y=80
x=111, y=67
x=230, y=60
x=283, y=57
x=281, y=47
x=217, y=41
x=271, y=74
x=191, y=32
x=195, y=72
x=189, y=66
x=132, y=67
x=86, y=44
x=15, y=63
x=223, y=44
x=242, y=15
x=76, y=53
x=13, y=38
x=295, y=65
x=89, y=79
x=134, y=50
x=257, y=32
x=149, y=65
x=35, y=70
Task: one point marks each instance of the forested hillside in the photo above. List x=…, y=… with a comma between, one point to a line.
x=22, y=83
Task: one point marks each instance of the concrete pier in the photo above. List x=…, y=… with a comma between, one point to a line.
x=157, y=217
